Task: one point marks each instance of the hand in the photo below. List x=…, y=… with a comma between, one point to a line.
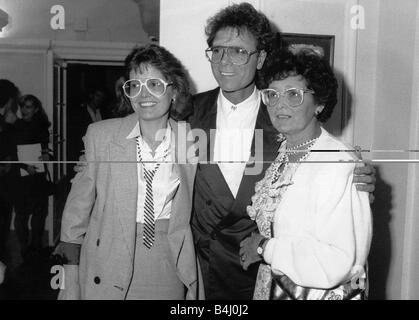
x=248, y=250
x=81, y=164
x=364, y=176
x=31, y=169
x=2, y=271
x=71, y=290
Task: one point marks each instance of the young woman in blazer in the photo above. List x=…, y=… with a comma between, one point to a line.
x=125, y=229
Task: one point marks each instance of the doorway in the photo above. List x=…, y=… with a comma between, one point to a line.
x=75, y=83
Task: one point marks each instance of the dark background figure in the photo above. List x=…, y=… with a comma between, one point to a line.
x=81, y=115
x=31, y=198
x=120, y=107
x=9, y=94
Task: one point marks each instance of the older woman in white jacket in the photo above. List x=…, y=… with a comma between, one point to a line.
x=315, y=227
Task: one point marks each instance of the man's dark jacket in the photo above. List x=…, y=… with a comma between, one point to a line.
x=220, y=221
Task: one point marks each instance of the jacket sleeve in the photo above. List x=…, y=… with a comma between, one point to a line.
x=80, y=202
x=335, y=244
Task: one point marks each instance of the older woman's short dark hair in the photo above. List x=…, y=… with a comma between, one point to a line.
x=241, y=17
x=171, y=68
x=314, y=69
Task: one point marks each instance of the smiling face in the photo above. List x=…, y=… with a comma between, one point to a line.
x=147, y=106
x=236, y=81
x=299, y=123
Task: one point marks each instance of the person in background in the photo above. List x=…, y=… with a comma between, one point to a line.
x=121, y=106
x=314, y=226
x=125, y=231
x=31, y=199
x=80, y=117
x=9, y=95
x=2, y=272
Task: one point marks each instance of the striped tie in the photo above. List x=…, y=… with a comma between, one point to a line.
x=148, y=235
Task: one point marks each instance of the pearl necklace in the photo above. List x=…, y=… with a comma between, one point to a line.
x=284, y=159
x=302, y=144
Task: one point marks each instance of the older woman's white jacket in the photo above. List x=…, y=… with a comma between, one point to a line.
x=322, y=227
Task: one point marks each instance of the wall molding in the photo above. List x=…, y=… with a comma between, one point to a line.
x=71, y=50
x=98, y=51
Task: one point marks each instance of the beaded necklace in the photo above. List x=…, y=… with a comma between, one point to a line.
x=312, y=141
x=284, y=157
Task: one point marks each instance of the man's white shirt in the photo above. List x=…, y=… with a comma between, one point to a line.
x=233, y=139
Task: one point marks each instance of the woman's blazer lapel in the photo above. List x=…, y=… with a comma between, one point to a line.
x=123, y=157
x=182, y=202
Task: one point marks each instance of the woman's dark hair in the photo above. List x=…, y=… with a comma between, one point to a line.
x=8, y=91
x=40, y=114
x=168, y=65
x=241, y=17
x=121, y=106
x=316, y=71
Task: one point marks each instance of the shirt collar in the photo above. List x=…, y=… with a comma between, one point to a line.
x=136, y=132
x=252, y=102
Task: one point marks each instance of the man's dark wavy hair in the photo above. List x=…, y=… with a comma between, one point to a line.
x=171, y=68
x=316, y=71
x=241, y=17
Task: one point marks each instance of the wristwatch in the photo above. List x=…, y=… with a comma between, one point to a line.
x=260, y=248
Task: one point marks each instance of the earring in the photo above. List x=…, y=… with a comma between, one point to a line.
x=317, y=112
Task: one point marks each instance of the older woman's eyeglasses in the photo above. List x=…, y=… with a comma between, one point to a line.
x=157, y=87
x=293, y=97
x=237, y=55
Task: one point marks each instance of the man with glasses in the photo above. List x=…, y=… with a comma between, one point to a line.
x=239, y=38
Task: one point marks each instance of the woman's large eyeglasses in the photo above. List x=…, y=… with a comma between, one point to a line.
x=157, y=87
x=293, y=97
x=237, y=55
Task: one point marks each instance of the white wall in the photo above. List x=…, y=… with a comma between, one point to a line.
x=392, y=130
x=182, y=32
x=412, y=235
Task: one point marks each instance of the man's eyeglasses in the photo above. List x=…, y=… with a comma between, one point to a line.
x=157, y=87
x=293, y=97
x=237, y=55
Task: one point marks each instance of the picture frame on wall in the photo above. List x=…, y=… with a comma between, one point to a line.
x=324, y=45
